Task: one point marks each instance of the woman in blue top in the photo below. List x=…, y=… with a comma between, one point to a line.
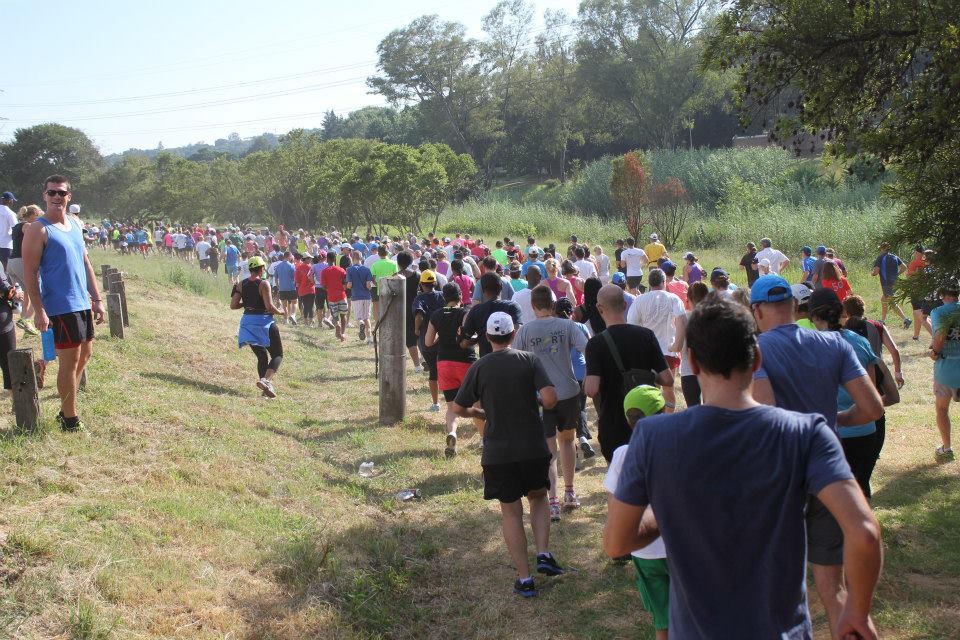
x=257, y=327
x=859, y=441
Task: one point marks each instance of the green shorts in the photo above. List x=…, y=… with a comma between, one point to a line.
x=653, y=581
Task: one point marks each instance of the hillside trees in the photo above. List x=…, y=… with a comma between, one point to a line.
x=644, y=56
x=874, y=77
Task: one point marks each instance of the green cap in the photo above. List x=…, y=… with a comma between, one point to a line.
x=647, y=399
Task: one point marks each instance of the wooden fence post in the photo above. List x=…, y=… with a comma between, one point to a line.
x=23, y=378
x=123, y=302
x=392, y=350
x=114, y=312
x=105, y=271
x=116, y=282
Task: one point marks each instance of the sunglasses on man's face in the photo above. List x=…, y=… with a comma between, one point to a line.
x=57, y=192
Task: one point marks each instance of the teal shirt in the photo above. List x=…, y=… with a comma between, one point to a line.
x=866, y=356
x=946, y=370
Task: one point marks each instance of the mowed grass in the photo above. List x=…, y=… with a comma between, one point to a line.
x=196, y=509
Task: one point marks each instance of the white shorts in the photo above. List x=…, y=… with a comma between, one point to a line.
x=361, y=309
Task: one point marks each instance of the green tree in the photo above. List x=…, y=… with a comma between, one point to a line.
x=39, y=151
x=644, y=56
x=875, y=77
x=435, y=65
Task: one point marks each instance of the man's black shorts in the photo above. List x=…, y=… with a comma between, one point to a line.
x=565, y=415
x=411, y=332
x=824, y=536
x=72, y=329
x=634, y=281
x=288, y=295
x=511, y=481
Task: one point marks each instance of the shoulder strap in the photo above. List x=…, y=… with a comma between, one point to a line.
x=613, y=350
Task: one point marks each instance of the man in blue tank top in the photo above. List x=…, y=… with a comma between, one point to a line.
x=61, y=285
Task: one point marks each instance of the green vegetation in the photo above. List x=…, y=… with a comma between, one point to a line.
x=197, y=509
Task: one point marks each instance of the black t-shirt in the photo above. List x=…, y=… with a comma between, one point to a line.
x=747, y=263
x=446, y=322
x=506, y=384
x=17, y=234
x=616, y=257
x=413, y=289
x=639, y=349
x=476, y=322
x=425, y=304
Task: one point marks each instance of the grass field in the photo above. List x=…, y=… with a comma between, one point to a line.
x=196, y=509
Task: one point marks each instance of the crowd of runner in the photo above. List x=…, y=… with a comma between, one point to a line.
x=784, y=388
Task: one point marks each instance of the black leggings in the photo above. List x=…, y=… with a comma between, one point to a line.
x=269, y=357
x=861, y=454
x=8, y=342
x=306, y=305
x=691, y=390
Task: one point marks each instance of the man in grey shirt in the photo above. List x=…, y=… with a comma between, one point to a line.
x=551, y=339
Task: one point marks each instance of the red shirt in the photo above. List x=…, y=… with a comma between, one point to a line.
x=303, y=277
x=916, y=265
x=331, y=279
x=679, y=289
x=841, y=287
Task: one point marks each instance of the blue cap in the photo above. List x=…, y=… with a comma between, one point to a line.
x=668, y=268
x=807, y=250
x=618, y=278
x=8, y=196
x=821, y=250
x=770, y=288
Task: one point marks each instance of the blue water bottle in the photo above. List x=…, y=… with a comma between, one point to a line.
x=49, y=350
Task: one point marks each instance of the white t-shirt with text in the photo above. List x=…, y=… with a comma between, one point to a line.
x=634, y=261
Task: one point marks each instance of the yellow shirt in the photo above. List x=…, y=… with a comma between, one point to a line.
x=654, y=251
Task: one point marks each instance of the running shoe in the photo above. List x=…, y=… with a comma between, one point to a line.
x=451, y=449
x=418, y=369
x=363, y=331
x=907, y=322
x=547, y=565
x=267, y=387
x=293, y=320
x=326, y=322
x=916, y=338
x=28, y=327
x=554, y=511
x=435, y=407
x=944, y=453
x=587, y=450
x=525, y=588
x=570, y=500
x=71, y=425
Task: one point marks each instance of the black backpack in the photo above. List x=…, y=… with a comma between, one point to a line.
x=631, y=377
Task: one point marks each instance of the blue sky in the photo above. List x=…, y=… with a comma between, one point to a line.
x=239, y=66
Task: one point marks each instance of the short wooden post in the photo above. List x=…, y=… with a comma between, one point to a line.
x=23, y=378
x=115, y=311
x=105, y=276
x=116, y=282
x=391, y=346
x=123, y=303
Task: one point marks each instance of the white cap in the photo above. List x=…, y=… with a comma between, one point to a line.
x=801, y=292
x=765, y=262
x=74, y=208
x=499, y=324
x=654, y=236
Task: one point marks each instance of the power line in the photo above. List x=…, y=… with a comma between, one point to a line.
x=153, y=96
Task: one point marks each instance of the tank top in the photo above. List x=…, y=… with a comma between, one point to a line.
x=577, y=293
x=554, y=284
x=250, y=297
x=63, y=273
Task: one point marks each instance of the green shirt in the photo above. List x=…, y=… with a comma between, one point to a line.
x=806, y=324
x=383, y=267
x=501, y=256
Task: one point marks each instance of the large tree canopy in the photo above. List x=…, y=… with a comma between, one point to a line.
x=36, y=152
x=874, y=77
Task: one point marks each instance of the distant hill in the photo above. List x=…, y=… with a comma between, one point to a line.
x=232, y=145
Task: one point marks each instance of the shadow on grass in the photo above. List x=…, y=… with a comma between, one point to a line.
x=326, y=377
x=183, y=381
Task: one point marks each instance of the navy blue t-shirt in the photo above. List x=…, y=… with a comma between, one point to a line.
x=358, y=275
x=806, y=368
x=729, y=490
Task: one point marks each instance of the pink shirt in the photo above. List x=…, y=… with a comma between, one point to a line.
x=678, y=288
